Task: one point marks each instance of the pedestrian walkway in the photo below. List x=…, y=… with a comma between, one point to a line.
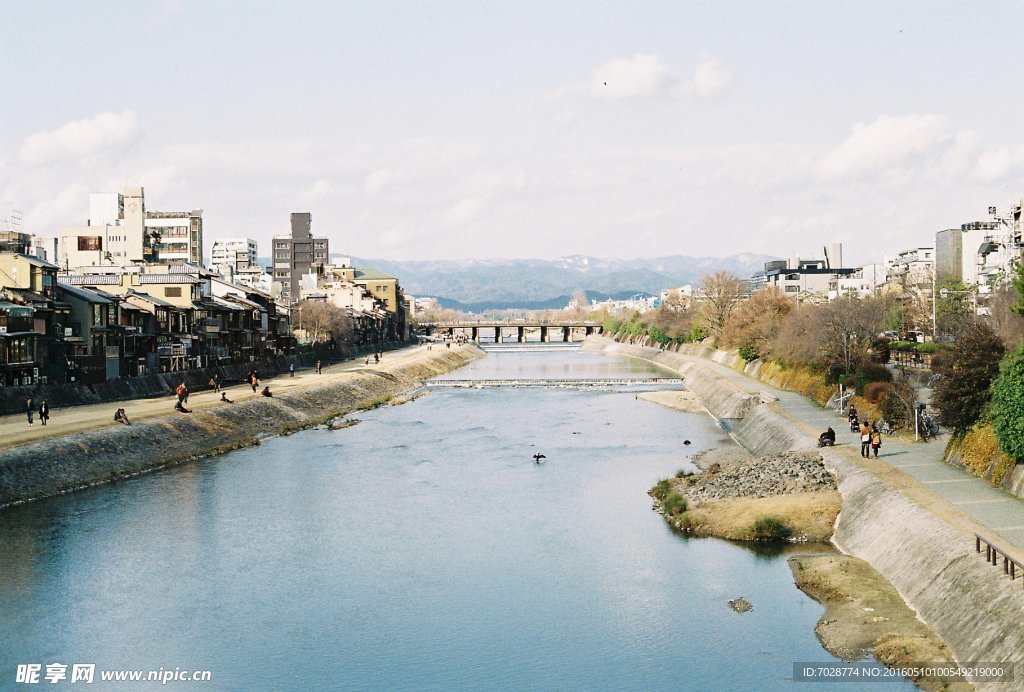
x=915, y=468
x=15, y=431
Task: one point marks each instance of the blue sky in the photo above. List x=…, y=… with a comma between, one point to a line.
x=528, y=129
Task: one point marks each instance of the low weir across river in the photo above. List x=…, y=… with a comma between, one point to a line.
x=558, y=382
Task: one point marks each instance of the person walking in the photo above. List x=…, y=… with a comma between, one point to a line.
x=865, y=440
x=30, y=409
x=876, y=440
x=318, y=369
x=291, y=370
x=44, y=412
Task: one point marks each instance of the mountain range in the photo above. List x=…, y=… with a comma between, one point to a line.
x=535, y=284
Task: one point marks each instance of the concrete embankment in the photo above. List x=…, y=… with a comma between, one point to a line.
x=971, y=605
x=62, y=464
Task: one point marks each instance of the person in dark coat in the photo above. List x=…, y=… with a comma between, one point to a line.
x=44, y=412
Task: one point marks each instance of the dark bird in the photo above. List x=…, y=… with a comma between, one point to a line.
x=686, y=442
x=537, y=457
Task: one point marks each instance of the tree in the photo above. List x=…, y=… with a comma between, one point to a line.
x=1008, y=404
x=755, y=322
x=966, y=371
x=954, y=306
x=848, y=326
x=721, y=291
x=323, y=322
x=1001, y=317
x=897, y=406
x=799, y=339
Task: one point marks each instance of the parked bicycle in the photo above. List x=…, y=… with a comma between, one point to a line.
x=885, y=427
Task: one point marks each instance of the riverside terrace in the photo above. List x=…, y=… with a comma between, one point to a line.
x=518, y=329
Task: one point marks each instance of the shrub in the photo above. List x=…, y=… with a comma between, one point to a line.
x=661, y=490
x=770, y=529
x=1008, y=404
x=927, y=347
x=674, y=503
x=874, y=391
x=873, y=372
x=835, y=375
x=748, y=352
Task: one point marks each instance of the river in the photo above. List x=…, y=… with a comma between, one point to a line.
x=420, y=549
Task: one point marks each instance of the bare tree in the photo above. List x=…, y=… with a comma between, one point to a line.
x=848, y=326
x=721, y=291
x=323, y=322
x=755, y=322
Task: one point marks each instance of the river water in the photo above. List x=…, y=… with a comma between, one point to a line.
x=420, y=549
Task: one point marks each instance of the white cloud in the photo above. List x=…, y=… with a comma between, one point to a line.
x=465, y=210
x=888, y=143
x=69, y=207
x=998, y=164
x=710, y=77
x=80, y=138
x=382, y=178
x=641, y=75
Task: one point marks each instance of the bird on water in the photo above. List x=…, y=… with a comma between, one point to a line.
x=537, y=457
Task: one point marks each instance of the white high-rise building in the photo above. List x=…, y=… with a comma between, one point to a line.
x=237, y=253
x=121, y=232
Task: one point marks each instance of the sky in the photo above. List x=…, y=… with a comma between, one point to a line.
x=488, y=130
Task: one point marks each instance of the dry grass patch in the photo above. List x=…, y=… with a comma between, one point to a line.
x=809, y=516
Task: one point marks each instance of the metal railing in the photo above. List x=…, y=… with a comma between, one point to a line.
x=992, y=554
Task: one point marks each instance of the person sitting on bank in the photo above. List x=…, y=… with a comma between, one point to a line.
x=827, y=438
x=224, y=397
x=121, y=417
x=266, y=391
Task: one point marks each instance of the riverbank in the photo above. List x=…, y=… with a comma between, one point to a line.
x=919, y=542
x=100, y=451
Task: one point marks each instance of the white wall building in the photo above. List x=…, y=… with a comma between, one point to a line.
x=121, y=232
x=238, y=253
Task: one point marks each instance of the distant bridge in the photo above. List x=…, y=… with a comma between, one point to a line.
x=516, y=330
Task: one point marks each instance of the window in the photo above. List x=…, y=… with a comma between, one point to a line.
x=89, y=243
x=792, y=289
x=172, y=292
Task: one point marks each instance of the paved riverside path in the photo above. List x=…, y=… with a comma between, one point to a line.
x=916, y=469
x=15, y=431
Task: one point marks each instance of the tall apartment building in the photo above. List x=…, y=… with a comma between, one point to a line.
x=298, y=254
x=180, y=235
x=121, y=232
x=237, y=253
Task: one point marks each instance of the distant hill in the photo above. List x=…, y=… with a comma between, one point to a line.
x=475, y=285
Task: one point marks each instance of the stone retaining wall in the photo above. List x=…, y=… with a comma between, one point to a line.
x=972, y=606
x=67, y=463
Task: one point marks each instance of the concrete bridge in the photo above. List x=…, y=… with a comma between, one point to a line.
x=516, y=330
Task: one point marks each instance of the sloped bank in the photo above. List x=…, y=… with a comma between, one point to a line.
x=63, y=464
x=972, y=606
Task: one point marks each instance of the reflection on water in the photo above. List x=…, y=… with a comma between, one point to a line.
x=423, y=548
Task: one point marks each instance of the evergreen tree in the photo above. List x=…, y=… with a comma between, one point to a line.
x=967, y=370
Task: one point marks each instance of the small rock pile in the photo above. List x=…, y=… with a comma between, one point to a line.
x=773, y=474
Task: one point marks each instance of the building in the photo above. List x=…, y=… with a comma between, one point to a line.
x=957, y=251
x=31, y=337
x=297, y=254
x=120, y=231
x=179, y=235
x=236, y=253
x=805, y=279
x=914, y=268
